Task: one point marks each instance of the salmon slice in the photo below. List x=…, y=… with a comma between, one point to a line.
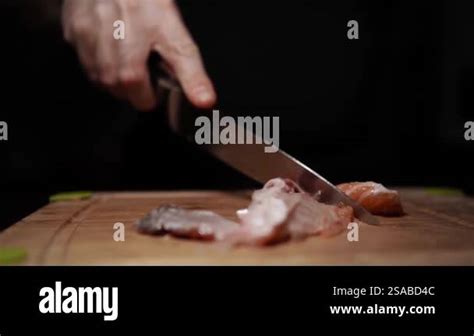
x=374, y=197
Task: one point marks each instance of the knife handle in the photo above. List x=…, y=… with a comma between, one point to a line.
x=169, y=93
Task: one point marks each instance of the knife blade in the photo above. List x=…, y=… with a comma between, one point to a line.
x=251, y=159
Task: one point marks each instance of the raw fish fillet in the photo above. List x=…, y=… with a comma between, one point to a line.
x=374, y=197
x=194, y=224
x=281, y=211
x=278, y=212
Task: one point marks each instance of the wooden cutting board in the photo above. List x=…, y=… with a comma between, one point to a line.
x=437, y=230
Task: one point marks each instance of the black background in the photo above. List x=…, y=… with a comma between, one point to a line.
x=245, y=300
x=389, y=107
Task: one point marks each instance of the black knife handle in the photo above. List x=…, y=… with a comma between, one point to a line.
x=180, y=113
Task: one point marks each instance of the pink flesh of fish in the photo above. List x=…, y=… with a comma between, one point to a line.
x=279, y=211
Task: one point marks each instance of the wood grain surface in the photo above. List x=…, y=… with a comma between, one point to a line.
x=437, y=230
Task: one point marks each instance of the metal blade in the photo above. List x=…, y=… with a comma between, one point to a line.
x=253, y=161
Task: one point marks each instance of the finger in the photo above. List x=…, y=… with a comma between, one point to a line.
x=134, y=77
x=134, y=81
x=78, y=33
x=133, y=73
x=176, y=46
x=107, y=49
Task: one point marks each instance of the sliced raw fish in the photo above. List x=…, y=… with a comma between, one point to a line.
x=281, y=210
x=374, y=197
x=194, y=224
x=278, y=212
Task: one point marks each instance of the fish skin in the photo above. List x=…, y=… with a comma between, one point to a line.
x=184, y=223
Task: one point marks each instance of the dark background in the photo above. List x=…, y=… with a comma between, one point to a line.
x=388, y=107
x=159, y=298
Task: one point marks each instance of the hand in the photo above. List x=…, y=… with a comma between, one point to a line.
x=120, y=65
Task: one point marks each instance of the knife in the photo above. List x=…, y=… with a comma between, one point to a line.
x=251, y=159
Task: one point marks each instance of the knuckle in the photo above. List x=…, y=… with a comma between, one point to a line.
x=79, y=27
x=131, y=75
x=107, y=76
